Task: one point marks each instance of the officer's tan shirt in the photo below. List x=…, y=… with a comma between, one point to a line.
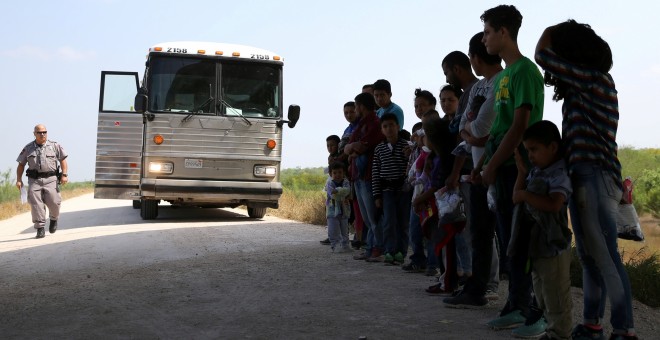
x=42, y=158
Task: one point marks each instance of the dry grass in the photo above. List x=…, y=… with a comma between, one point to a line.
x=303, y=206
x=12, y=208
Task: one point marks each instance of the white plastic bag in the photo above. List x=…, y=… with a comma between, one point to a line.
x=448, y=202
x=23, y=195
x=627, y=223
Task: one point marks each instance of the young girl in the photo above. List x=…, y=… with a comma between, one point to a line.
x=577, y=63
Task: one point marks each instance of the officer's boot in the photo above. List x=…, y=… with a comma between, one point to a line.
x=53, y=226
x=41, y=233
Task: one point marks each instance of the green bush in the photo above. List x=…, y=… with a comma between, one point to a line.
x=8, y=189
x=647, y=192
x=308, y=179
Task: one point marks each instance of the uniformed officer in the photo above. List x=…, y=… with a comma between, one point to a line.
x=42, y=157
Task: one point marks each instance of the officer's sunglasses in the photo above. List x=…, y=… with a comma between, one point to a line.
x=41, y=132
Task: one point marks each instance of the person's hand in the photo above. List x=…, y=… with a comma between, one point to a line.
x=488, y=177
x=475, y=176
x=379, y=203
x=19, y=184
x=451, y=182
x=64, y=180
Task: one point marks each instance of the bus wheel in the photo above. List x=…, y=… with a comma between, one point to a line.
x=136, y=204
x=256, y=212
x=148, y=209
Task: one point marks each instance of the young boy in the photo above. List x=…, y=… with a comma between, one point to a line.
x=577, y=63
x=388, y=176
x=383, y=97
x=541, y=200
x=332, y=144
x=518, y=104
x=338, y=190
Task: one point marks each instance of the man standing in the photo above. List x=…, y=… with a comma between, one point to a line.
x=518, y=104
x=42, y=157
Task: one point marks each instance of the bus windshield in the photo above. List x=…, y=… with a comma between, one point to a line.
x=189, y=85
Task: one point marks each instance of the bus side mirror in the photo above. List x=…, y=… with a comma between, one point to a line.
x=293, y=115
x=140, y=104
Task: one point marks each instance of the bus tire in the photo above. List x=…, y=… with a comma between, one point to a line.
x=148, y=209
x=136, y=204
x=256, y=212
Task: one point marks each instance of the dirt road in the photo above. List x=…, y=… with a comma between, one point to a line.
x=214, y=274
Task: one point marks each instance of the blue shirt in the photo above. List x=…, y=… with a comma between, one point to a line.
x=395, y=109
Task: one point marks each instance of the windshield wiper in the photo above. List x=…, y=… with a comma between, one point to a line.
x=223, y=102
x=197, y=109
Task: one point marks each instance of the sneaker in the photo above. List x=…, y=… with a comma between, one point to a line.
x=356, y=244
x=491, y=295
x=361, y=256
x=510, y=320
x=413, y=268
x=376, y=258
x=41, y=233
x=399, y=258
x=437, y=290
x=344, y=249
x=389, y=259
x=430, y=271
x=466, y=301
x=325, y=242
x=531, y=331
x=582, y=332
x=52, y=228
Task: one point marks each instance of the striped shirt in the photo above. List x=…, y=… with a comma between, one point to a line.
x=389, y=167
x=590, y=113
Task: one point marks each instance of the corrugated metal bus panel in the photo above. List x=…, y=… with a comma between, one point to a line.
x=118, y=155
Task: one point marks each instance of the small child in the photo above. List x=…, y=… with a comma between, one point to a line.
x=540, y=226
x=390, y=191
x=332, y=143
x=338, y=209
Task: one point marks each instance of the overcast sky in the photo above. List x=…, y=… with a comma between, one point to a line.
x=53, y=53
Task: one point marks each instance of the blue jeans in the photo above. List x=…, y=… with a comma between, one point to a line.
x=464, y=238
x=593, y=207
x=416, y=239
x=396, y=207
x=369, y=215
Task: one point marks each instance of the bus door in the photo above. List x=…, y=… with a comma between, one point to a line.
x=119, y=138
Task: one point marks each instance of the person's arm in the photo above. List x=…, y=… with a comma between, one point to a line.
x=452, y=179
x=519, y=187
x=19, y=175
x=511, y=140
x=375, y=180
x=65, y=169
x=545, y=41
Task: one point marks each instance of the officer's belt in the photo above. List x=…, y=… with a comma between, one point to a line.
x=36, y=174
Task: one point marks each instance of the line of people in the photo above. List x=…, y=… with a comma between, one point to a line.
x=483, y=192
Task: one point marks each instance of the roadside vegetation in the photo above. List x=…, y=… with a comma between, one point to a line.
x=10, y=196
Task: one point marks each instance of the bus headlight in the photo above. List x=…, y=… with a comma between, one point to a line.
x=265, y=171
x=161, y=167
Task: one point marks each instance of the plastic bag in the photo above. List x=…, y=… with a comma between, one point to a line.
x=448, y=202
x=627, y=223
x=23, y=195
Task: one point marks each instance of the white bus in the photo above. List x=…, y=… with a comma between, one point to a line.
x=204, y=128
